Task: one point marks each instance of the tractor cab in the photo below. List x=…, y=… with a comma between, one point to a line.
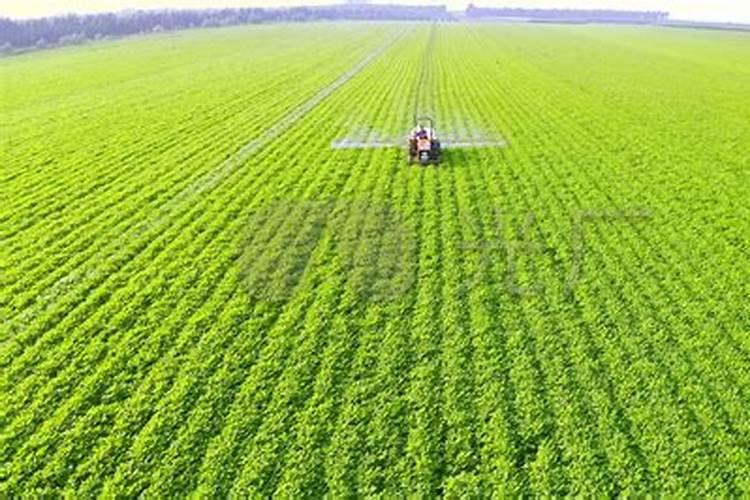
x=424, y=146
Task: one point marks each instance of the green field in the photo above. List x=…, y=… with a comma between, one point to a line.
x=199, y=294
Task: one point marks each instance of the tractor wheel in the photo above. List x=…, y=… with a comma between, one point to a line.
x=435, y=152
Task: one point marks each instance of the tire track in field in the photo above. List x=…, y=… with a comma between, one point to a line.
x=67, y=273
x=210, y=180
x=257, y=461
x=289, y=76
x=124, y=223
x=286, y=122
x=354, y=454
x=171, y=356
x=347, y=450
x=180, y=399
x=123, y=349
x=254, y=395
x=423, y=97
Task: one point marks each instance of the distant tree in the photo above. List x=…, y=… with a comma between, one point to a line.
x=570, y=15
x=72, y=39
x=74, y=29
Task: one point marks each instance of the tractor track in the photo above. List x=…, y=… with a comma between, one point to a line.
x=283, y=124
x=423, y=98
x=212, y=179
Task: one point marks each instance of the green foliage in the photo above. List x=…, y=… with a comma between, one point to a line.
x=199, y=295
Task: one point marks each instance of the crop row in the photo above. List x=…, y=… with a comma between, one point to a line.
x=547, y=318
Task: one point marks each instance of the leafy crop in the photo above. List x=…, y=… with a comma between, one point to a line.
x=200, y=295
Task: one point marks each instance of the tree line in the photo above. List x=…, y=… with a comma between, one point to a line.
x=570, y=15
x=63, y=30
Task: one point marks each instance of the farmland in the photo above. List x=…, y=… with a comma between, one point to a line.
x=200, y=295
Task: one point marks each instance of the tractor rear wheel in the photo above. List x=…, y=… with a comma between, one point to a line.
x=435, y=152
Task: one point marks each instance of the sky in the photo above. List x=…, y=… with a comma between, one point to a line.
x=708, y=10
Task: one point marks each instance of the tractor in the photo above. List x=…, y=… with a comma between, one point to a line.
x=424, y=146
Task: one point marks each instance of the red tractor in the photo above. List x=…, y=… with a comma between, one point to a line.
x=424, y=146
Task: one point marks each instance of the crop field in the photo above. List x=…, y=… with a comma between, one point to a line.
x=219, y=276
